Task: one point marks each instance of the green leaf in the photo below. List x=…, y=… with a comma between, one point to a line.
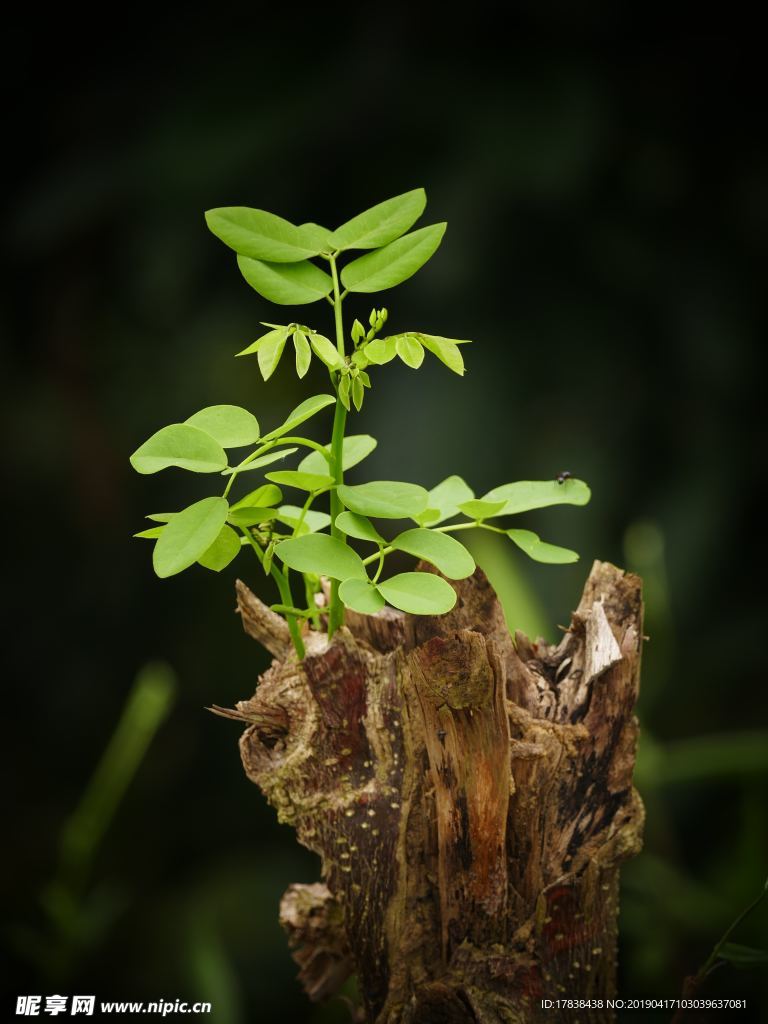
x=161, y=517
x=361, y=596
x=230, y=425
x=312, y=522
x=385, y=499
x=410, y=351
x=270, y=353
x=381, y=224
x=263, y=460
x=742, y=956
x=356, y=447
x=420, y=593
x=246, y=516
x=189, y=535
x=525, y=495
x=445, y=498
x=326, y=351
x=381, y=350
x=393, y=264
x=302, y=412
x=447, y=554
x=314, y=236
x=322, y=555
x=287, y=284
x=152, y=534
x=224, y=549
x=302, y=481
x=179, y=445
x=358, y=527
x=261, y=235
x=266, y=495
x=358, y=394
x=446, y=350
x=268, y=554
x=344, y=391
x=271, y=338
x=539, y=551
x=478, y=508
x=303, y=352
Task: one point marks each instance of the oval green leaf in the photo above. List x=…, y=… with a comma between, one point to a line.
x=480, y=508
x=266, y=496
x=356, y=447
x=224, y=549
x=180, y=445
x=393, y=264
x=528, y=494
x=189, y=535
x=230, y=425
x=381, y=224
x=270, y=352
x=287, y=284
x=302, y=481
x=447, y=554
x=420, y=593
x=540, y=551
x=446, y=350
x=302, y=412
x=263, y=236
x=385, y=499
x=361, y=596
x=303, y=353
x=358, y=527
x=322, y=555
x=410, y=351
x=326, y=351
x=381, y=350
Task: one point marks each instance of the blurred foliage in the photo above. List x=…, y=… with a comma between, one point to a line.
x=608, y=219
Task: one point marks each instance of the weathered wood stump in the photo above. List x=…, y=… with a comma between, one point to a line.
x=470, y=796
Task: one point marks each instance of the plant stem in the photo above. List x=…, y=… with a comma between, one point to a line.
x=284, y=587
x=711, y=962
x=336, y=610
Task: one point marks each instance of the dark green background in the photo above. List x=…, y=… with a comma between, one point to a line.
x=607, y=205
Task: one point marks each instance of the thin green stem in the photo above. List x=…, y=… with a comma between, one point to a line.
x=711, y=962
x=381, y=564
x=284, y=587
x=336, y=609
x=314, y=611
x=311, y=497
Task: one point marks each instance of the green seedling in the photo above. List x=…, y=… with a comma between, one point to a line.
x=348, y=544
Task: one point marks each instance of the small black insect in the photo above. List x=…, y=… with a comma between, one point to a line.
x=565, y=475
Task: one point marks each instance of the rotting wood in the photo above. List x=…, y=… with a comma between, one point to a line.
x=470, y=798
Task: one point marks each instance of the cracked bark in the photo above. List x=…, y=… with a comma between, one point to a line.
x=470, y=797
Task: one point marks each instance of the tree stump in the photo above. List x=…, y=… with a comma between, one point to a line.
x=470, y=797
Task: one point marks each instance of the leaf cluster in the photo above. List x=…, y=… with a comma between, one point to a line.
x=349, y=543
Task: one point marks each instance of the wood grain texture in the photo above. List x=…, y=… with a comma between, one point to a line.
x=470, y=797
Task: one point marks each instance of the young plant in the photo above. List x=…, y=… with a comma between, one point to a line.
x=279, y=260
